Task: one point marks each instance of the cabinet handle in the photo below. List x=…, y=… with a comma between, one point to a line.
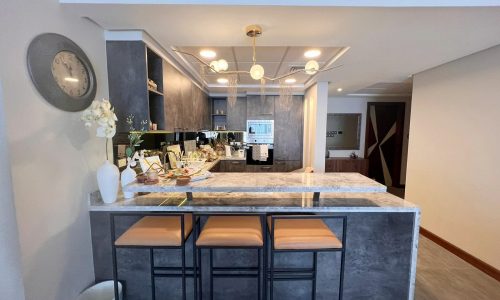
x=235, y=162
x=265, y=168
x=280, y=162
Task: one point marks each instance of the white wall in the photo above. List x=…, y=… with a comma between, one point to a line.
x=315, y=115
x=454, y=161
x=53, y=157
x=359, y=105
x=11, y=282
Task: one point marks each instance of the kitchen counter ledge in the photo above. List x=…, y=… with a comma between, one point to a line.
x=257, y=202
x=268, y=182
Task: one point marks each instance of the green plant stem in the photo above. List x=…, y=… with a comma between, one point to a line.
x=107, y=149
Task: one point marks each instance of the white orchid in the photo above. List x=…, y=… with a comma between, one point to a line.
x=102, y=113
x=106, y=132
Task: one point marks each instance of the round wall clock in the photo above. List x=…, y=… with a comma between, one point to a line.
x=61, y=72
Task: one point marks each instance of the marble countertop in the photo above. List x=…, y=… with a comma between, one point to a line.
x=258, y=202
x=268, y=182
x=232, y=158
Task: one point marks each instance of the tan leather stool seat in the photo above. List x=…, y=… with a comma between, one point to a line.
x=156, y=231
x=303, y=234
x=231, y=231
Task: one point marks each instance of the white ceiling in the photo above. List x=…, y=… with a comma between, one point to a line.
x=387, y=45
x=276, y=60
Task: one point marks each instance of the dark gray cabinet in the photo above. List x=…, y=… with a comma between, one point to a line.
x=260, y=108
x=128, y=88
x=237, y=114
x=187, y=107
x=233, y=166
x=172, y=86
x=216, y=167
x=287, y=165
x=260, y=168
x=288, y=129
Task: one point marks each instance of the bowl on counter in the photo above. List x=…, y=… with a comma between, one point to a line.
x=183, y=180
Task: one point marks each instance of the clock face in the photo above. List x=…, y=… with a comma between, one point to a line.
x=70, y=74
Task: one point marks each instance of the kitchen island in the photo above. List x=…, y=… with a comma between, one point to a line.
x=381, y=236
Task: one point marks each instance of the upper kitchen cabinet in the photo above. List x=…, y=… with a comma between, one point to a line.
x=288, y=128
x=201, y=109
x=187, y=107
x=260, y=108
x=130, y=65
x=173, y=83
x=237, y=114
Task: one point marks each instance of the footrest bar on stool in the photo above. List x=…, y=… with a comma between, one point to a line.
x=235, y=275
x=235, y=269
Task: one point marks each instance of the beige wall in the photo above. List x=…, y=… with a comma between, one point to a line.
x=453, y=160
x=11, y=282
x=53, y=157
x=315, y=114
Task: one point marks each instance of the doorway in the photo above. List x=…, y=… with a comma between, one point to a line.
x=384, y=141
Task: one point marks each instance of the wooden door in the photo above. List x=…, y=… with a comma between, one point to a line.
x=384, y=141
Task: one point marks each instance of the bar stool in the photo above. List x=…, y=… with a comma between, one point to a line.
x=232, y=232
x=304, y=233
x=155, y=231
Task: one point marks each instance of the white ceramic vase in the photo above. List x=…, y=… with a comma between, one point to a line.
x=108, y=179
x=128, y=176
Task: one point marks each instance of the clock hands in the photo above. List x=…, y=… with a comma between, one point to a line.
x=68, y=67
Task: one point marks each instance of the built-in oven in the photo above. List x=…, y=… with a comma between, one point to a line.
x=260, y=131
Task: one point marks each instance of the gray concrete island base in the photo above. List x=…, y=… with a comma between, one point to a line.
x=381, y=245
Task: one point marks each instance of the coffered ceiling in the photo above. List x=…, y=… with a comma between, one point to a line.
x=386, y=44
x=276, y=60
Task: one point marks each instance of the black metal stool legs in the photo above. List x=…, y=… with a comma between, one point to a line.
x=211, y=274
x=155, y=271
x=304, y=273
x=195, y=260
x=113, y=254
x=315, y=268
x=258, y=272
x=152, y=264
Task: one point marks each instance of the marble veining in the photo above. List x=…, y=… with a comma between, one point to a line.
x=258, y=202
x=268, y=182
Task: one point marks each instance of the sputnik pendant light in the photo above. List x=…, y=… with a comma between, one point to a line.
x=257, y=71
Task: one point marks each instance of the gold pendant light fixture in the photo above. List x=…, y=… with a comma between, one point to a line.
x=257, y=71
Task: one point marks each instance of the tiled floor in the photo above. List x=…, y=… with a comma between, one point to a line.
x=442, y=275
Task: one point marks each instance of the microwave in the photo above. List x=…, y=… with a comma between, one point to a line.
x=260, y=131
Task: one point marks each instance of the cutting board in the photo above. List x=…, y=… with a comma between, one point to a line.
x=189, y=146
x=171, y=156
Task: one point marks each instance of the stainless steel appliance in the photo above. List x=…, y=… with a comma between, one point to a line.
x=260, y=131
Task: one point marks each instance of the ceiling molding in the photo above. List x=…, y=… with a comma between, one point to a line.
x=256, y=86
x=314, y=78
x=329, y=3
x=378, y=95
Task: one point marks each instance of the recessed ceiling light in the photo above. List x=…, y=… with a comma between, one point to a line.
x=312, y=53
x=290, y=80
x=339, y=90
x=222, y=80
x=206, y=53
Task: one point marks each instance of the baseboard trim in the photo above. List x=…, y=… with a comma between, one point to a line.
x=474, y=261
